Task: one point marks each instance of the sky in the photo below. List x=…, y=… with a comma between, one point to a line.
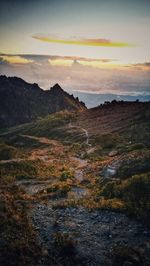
x=87, y=45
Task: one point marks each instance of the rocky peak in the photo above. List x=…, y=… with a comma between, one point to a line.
x=56, y=89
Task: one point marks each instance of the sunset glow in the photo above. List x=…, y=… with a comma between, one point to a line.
x=102, y=46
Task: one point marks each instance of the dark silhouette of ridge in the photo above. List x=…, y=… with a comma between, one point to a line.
x=22, y=102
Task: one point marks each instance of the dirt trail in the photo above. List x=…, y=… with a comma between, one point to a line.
x=83, y=129
x=42, y=140
x=42, y=153
x=33, y=186
x=87, y=135
x=79, y=170
x=17, y=160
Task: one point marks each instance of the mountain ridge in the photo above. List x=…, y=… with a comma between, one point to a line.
x=22, y=102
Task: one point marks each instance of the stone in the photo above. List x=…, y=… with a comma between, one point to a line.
x=113, y=153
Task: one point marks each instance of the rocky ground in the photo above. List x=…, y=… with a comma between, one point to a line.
x=93, y=234
x=82, y=235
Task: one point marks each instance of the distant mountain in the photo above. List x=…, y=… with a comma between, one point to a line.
x=92, y=99
x=22, y=102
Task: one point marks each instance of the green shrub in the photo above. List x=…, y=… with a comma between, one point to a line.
x=18, y=241
x=7, y=152
x=136, y=146
x=20, y=169
x=134, y=166
x=136, y=193
x=66, y=175
x=64, y=243
x=109, y=141
x=124, y=255
x=133, y=192
x=110, y=190
x=58, y=189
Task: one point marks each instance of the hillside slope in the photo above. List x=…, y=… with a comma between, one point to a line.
x=22, y=102
x=128, y=118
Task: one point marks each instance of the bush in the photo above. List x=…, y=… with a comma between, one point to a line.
x=136, y=193
x=136, y=146
x=21, y=169
x=134, y=166
x=57, y=190
x=66, y=175
x=110, y=190
x=18, y=241
x=64, y=244
x=124, y=255
x=109, y=141
x=7, y=152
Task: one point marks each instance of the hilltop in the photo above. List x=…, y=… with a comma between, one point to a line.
x=22, y=102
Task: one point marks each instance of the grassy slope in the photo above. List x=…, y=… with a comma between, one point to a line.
x=55, y=126
x=130, y=120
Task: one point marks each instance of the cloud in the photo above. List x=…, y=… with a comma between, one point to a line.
x=15, y=59
x=80, y=75
x=85, y=59
x=3, y=61
x=54, y=60
x=146, y=64
x=80, y=41
x=141, y=66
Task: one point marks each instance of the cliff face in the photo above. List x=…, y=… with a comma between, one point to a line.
x=22, y=102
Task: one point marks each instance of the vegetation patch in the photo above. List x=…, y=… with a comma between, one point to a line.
x=108, y=141
x=64, y=244
x=22, y=169
x=19, y=245
x=66, y=175
x=57, y=190
x=134, y=194
x=125, y=255
x=135, y=163
x=8, y=152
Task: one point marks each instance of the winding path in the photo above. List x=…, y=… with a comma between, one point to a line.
x=83, y=129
